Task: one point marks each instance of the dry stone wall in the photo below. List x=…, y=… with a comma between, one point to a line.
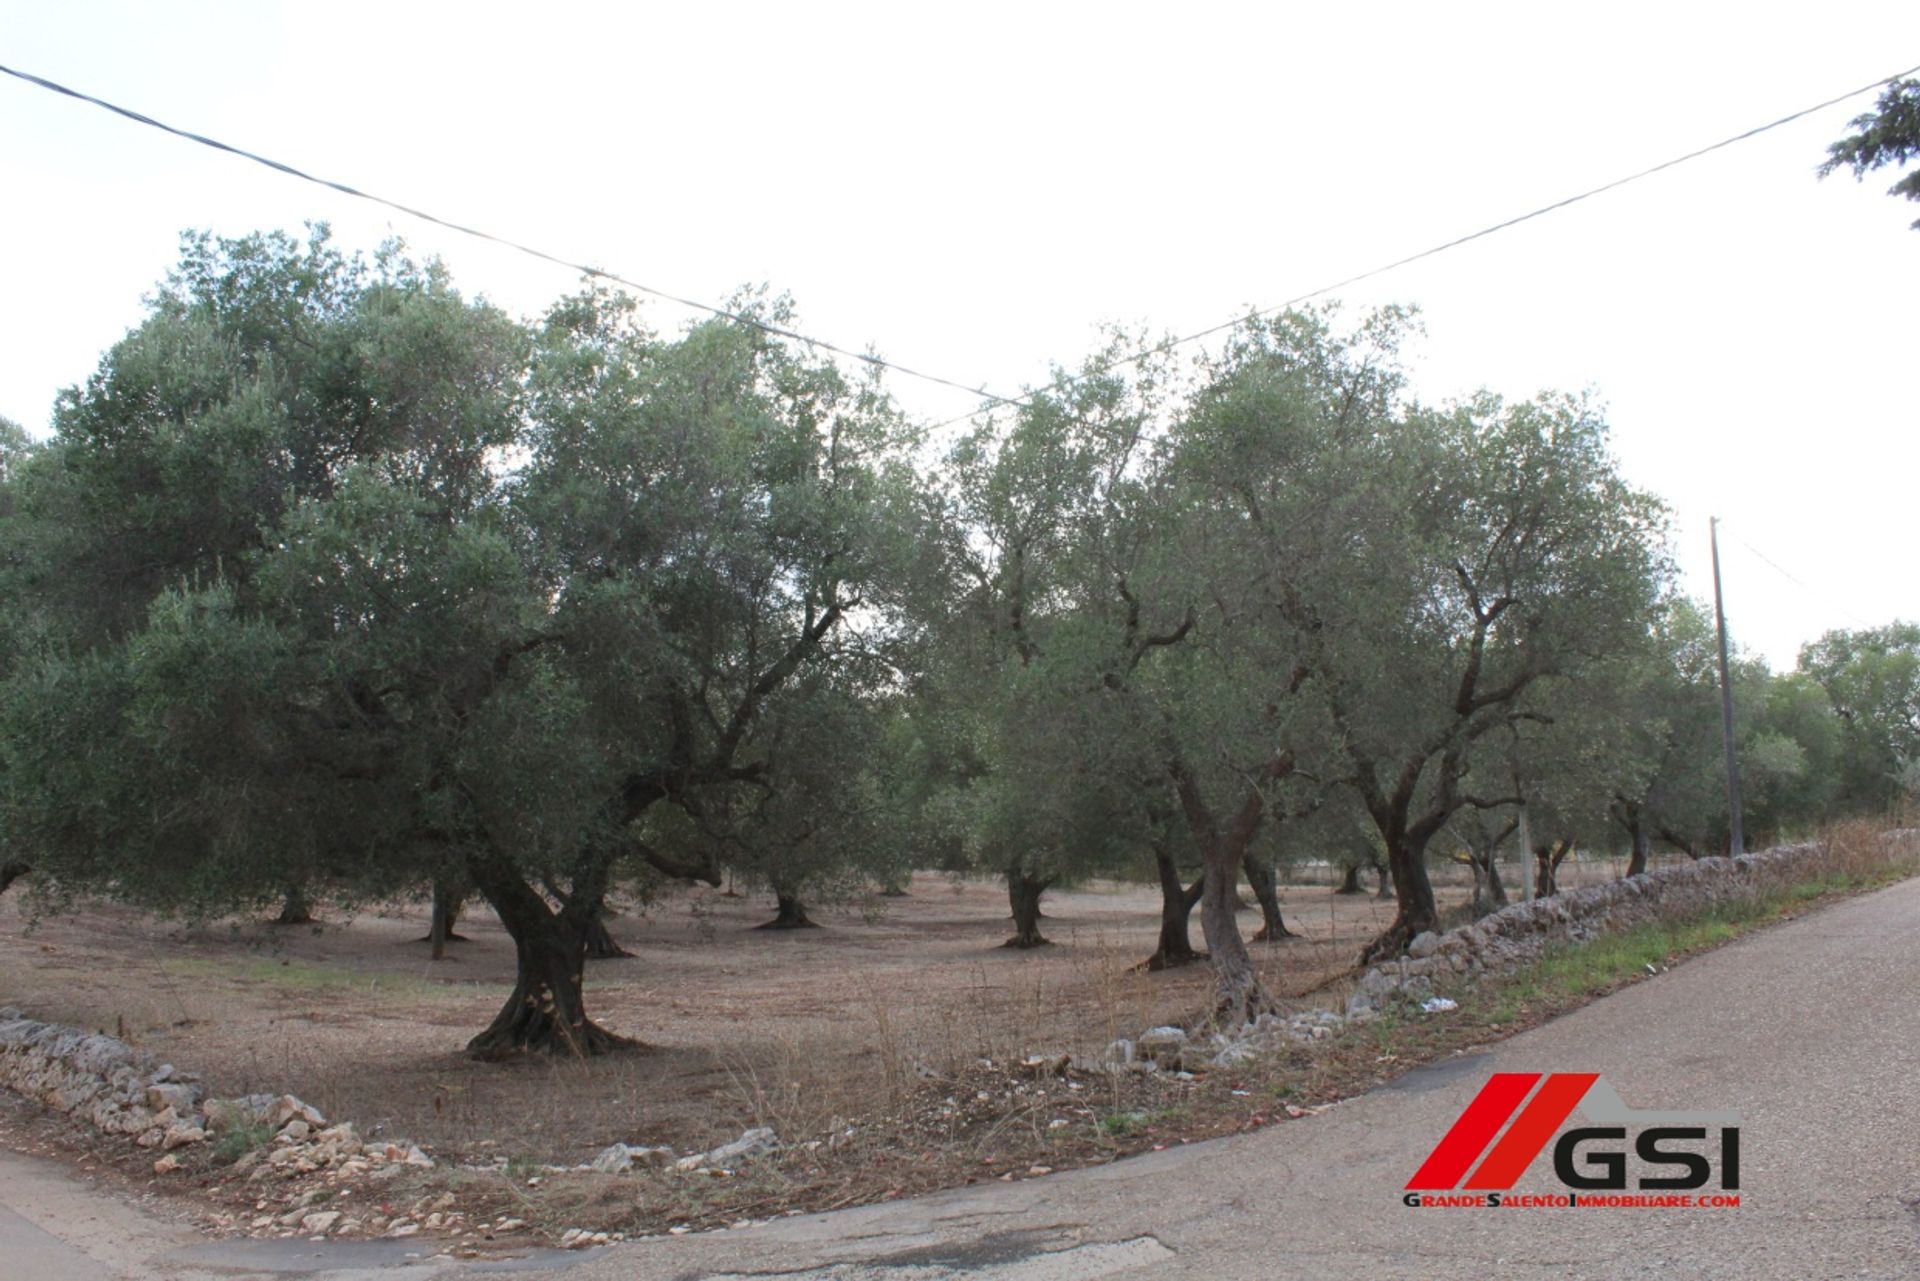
x=106, y=1083
x=1515, y=935
x=1522, y=932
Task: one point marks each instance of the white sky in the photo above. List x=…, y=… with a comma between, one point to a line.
x=973, y=189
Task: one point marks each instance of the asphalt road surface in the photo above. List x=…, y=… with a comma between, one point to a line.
x=1809, y=1031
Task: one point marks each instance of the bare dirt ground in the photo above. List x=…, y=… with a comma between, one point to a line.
x=797, y=1030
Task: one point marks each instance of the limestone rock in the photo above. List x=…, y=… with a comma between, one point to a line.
x=287, y=1108
x=622, y=1157
x=1234, y=1054
x=751, y=1143
x=181, y=1133
x=1162, y=1043
x=1376, y=982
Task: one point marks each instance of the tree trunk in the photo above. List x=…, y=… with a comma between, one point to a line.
x=1489, y=895
x=1407, y=863
x=1267, y=891
x=1239, y=996
x=447, y=902
x=1642, y=848
x=601, y=945
x=791, y=914
x=1023, y=892
x=295, y=910
x=1546, y=867
x=1176, y=910
x=11, y=872
x=592, y=911
x=1350, y=880
x=1482, y=899
x=1489, y=892
x=547, y=1011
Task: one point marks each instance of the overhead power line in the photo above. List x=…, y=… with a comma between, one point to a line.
x=583, y=269
x=1795, y=579
x=1060, y=384
x=878, y=362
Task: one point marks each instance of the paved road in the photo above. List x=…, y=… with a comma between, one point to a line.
x=1810, y=1031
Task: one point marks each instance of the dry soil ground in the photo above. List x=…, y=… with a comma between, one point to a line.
x=746, y=1027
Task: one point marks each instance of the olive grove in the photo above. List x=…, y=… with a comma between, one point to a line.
x=335, y=582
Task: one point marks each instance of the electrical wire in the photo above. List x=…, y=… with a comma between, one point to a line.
x=1792, y=578
x=1061, y=384
x=583, y=269
x=868, y=358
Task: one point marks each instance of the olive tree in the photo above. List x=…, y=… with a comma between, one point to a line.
x=1872, y=681
x=1435, y=570
x=361, y=579
x=1028, y=628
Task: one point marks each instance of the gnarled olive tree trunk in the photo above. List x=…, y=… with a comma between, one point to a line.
x=789, y=914
x=547, y=1011
x=1412, y=889
x=1642, y=843
x=1546, y=867
x=295, y=909
x=1177, y=900
x=592, y=910
x=449, y=899
x=1266, y=890
x=601, y=945
x=1023, y=893
x=1239, y=996
x=1489, y=893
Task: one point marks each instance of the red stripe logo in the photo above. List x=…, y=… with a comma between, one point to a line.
x=1497, y=1101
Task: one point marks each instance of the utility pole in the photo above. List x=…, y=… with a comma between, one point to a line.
x=1738, y=844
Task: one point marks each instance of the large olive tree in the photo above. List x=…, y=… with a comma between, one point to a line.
x=363, y=580
x=1434, y=570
